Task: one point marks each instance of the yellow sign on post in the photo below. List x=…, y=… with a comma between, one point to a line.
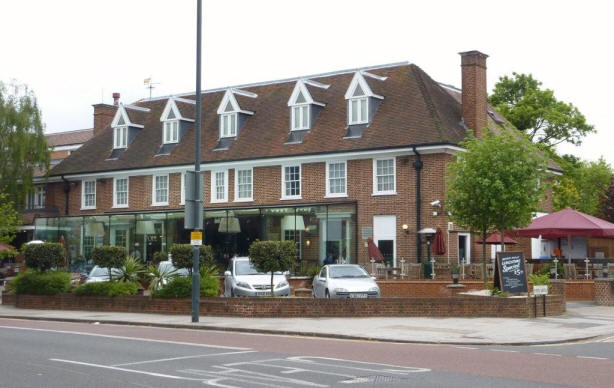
x=196, y=237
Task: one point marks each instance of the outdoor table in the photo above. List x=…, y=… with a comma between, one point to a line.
x=391, y=271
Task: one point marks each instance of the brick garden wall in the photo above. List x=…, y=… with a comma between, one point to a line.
x=604, y=292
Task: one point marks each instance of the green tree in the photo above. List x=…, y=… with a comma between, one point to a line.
x=537, y=112
x=109, y=257
x=606, y=208
x=272, y=256
x=183, y=256
x=583, y=186
x=44, y=257
x=23, y=144
x=494, y=185
x=9, y=219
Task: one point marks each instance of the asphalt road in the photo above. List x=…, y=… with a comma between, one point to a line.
x=58, y=354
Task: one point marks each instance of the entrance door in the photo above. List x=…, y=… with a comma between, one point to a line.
x=385, y=237
x=464, y=248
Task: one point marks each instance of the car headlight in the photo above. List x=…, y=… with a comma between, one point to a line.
x=340, y=290
x=243, y=285
x=282, y=284
x=374, y=289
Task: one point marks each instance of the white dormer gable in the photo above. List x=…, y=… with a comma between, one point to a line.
x=360, y=88
x=229, y=102
x=121, y=117
x=172, y=112
x=300, y=95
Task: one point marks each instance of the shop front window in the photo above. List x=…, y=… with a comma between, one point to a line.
x=150, y=236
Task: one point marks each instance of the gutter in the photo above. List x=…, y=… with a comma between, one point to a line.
x=67, y=184
x=418, y=167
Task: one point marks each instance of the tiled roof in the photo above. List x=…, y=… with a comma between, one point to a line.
x=69, y=138
x=415, y=110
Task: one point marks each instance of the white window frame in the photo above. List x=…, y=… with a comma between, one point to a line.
x=153, y=190
x=36, y=198
x=283, y=182
x=232, y=131
x=302, y=109
x=345, y=177
x=172, y=128
x=246, y=199
x=360, y=101
x=394, y=174
x=182, y=200
x=120, y=140
x=83, y=184
x=118, y=205
x=214, y=198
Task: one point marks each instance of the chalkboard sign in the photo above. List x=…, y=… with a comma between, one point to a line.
x=510, y=275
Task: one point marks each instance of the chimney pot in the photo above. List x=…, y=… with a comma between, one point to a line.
x=116, y=99
x=474, y=97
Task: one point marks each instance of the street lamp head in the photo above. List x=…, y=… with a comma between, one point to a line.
x=428, y=232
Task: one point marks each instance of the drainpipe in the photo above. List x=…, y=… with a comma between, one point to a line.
x=66, y=193
x=418, y=167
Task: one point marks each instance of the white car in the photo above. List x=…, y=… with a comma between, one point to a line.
x=101, y=274
x=344, y=281
x=242, y=279
x=170, y=270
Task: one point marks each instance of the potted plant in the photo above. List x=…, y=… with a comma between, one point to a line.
x=455, y=273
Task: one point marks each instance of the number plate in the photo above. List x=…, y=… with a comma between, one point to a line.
x=263, y=293
x=358, y=295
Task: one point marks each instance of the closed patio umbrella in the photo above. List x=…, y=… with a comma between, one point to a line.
x=374, y=252
x=495, y=239
x=439, y=245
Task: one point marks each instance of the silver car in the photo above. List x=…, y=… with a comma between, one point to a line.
x=344, y=281
x=166, y=267
x=242, y=279
x=101, y=274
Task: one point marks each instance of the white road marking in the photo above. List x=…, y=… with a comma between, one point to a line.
x=403, y=370
x=185, y=357
x=465, y=347
x=592, y=358
x=233, y=373
x=548, y=354
x=125, y=369
x=125, y=338
x=504, y=350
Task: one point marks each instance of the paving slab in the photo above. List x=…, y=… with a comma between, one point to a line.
x=581, y=322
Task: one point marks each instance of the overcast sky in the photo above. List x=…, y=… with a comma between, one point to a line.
x=76, y=53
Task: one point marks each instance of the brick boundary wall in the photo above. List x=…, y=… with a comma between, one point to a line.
x=458, y=306
x=604, y=292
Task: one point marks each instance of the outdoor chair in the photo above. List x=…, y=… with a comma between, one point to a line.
x=476, y=271
x=596, y=270
x=380, y=270
x=413, y=270
x=569, y=271
x=490, y=270
x=443, y=271
x=468, y=273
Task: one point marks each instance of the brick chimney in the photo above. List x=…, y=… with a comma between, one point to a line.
x=474, y=97
x=103, y=114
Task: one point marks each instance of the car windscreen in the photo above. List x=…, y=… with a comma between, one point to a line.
x=244, y=267
x=99, y=271
x=347, y=272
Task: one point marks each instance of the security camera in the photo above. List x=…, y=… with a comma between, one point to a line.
x=436, y=203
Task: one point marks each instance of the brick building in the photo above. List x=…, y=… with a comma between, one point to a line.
x=325, y=160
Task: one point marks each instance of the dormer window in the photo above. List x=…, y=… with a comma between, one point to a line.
x=120, y=137
x=171, y=132
x=362, y=102
x=300, y=117
x=228, y=125
x=357, y=112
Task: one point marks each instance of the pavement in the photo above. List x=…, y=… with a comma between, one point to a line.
x=582, y=321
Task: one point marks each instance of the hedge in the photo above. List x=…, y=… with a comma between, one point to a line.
x=181, y=287
x=41, y=283
x=43, y=257
x=107, y=289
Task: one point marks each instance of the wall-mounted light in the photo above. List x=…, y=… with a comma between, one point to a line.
x=405, y=228
x=307, y=243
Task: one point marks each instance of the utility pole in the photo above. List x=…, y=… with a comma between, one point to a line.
x=197, y=222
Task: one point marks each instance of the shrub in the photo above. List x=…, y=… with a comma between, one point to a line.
x=183, y=256
x=272, y=256
x=109, y=257
x=107, y=289
x=41, y=283
x=159, y=276
x=159, y=256
x=43, y=257
x=181, y=287
x=132, y=270
x=8, y=254
x=540, y=280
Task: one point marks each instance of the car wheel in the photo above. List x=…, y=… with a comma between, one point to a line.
x=327, y=294
x=232, y=293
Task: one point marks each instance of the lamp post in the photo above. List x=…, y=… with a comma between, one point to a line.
x=429, y=233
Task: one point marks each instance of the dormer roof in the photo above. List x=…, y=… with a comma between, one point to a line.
x=302, y=95
x=172, y=110
x=230, y=103
x=130, y=115
x=359, y=87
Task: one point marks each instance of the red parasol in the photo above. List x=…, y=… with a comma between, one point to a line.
x=495, y=239
x=439, y=245
x=374, y=252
